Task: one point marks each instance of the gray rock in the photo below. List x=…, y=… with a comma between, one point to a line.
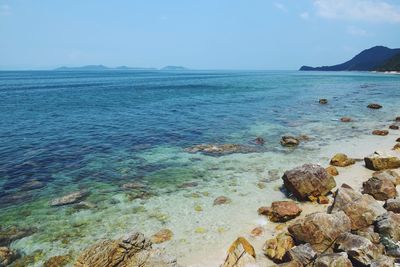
x=303, y=253
x=393, y=205
x=71, y=198
x=383, y=261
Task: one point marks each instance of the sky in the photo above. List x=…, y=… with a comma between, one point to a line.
x=206, y=34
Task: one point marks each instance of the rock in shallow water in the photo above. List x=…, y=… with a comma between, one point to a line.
x=58, y=261
x=213, y=149
x=332, y=170
x=276, y=248
x=379, y=161
x=380, y=132
x=281, y=211
x=222, y=200
x=7, y=256
x=11, y=234
x=289, y=141
x=374, y=106
x=341, y=160
x=309, y=180
x=71, y=198
x=162, y=236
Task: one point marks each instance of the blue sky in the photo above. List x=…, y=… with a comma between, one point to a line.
x=206, y=34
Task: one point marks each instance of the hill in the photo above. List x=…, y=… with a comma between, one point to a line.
x=393, y=64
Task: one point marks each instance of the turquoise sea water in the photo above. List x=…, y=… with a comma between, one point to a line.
x=98, y=130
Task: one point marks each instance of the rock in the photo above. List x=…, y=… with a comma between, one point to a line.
x=392, y=175
x=358, y=248
x=394, y=127
x=216, y=150
x=309, y=180
x=393, y=205
x=13, y=233
x=341, y=160
x=240, y=254
x=323, y=200
x=257, y=231
x=398, y=139
x=71, y=198
x=383, y=261
x=84, y=205
x=362, y=209
x=333, y=260
x=332, y=170
x=281, y=211
x=368, y=233
x=381, y=188
x=374, y=106
x=380, y=132
x=7, y=256
x=222, y=200
x=345, y=119
x=392, y=248
x=133, y=185
x=259, y=141
x=162, y=236
x=388, y=225
x=289, y=141
x=32, y=185
x=303, y=253
x=396, y=147
x=379, y=161
x=277, y=247
x=290, y=264
x=131, y=250
x=323, y=101
x=320, y=229
x=188, y=185
x=397, y=119
x=58, y=261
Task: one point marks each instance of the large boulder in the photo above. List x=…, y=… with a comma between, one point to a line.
x=333, y=260
x=320, y=229
x=380, y=188
x=303, y=253
x=393, y=205
x=130, y=251
x=70, y=198
x=277, y=247
x=281, y=211
x=240, y=254
x=359, y=248
x=362, y=209
x=380, y=161
x=309, y=180
x=341, y=160
x=392, y=175
x=7, y=256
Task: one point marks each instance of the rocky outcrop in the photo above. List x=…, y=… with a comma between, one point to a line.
x=289, y=141
x=130, y=251
x=71, y=198
x=221, y=200
x=309, y=180
x=276, y=248
x=7, y=256
x=240, y=254
x=374, y=106
x=224, y=149
x=333, y=260
x=362, y=209
x=380, y=188
x=393, y=205
x=379, y=161
x=281, y=211
x=358, y=248
x=303, y=253
x=320, y=229
x=380, y=132
x=162, y=236
x=341, y=160
x=13, y=233
x=392, y=175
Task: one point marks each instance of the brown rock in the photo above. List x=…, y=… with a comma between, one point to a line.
x=362, y=209
x=162, y=236
x=393, y=205
x=398, y=139
x=281, y=211
x=240, y=254
x=309, y=180
x=358, y=248
x=396, y=147
x=303, y=253
x=58, y=261
x=320, y=229
x=7, y=256
x=374, y=106
x=345, y=119
x=289, y=141
x=368, y=233
x=71, y=198
x=323, y=101
x=392, y=175
x=257, y=231
x=332, y=170
x=394, y=127
x=380, y=188
x=277, y=247
x=323, y=200
x=222, y=200
x=378, y=161
x=380, y=132
x=341, y=160
x=333, y=260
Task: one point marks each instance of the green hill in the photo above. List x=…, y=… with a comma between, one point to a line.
x=393, y=64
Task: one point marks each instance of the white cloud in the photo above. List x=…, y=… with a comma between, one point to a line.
x=280, y=6
x=364, y=10
x=305, y=15
x=353, y=30
x=5, y=10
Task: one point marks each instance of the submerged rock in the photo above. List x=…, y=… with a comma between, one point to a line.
x=393, y=205
x=129, y=251
x=240, y=254
x=333, y=260
x=341, y=160
x=13, y=233
x=213, y=149
x=303, y=253
x=380, y=132
x=162, y=236
x=32, y=185
x=133, y=185
x=309, y=180
x=58, y=261
x=71, y=198
x=379, y=161
x=362, y=209
x=259, y=141
x=276, y=248
x=374, y=106
x=221, y=200
x=323, y=101
x=320, y=229
x=281, y=211
x=332, y=170
x=381, y=188
x=7, y=256
x=345, y=119
x=289, y=141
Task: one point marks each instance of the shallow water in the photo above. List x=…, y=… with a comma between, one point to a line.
x=99, y=130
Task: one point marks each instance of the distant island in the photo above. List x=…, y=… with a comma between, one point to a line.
x=102, y=67
x=377, y=58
